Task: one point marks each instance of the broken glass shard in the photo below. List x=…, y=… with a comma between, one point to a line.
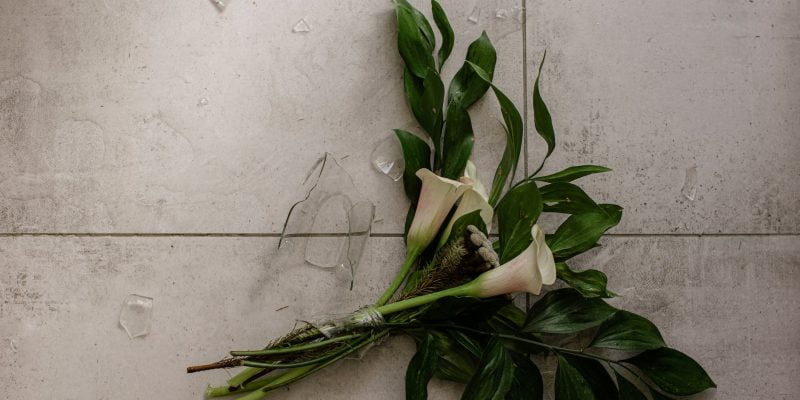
x=329, y=228
x=220, y=4
x=202, y=102
x=501, y=13
x=136, y=314
x=301, y=26
x=12, y=345
x=387, y=158
x=689, y=189
x=475, y=15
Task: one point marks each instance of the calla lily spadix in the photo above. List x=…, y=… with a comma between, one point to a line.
x=526, y=272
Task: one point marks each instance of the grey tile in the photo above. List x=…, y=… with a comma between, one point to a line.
x=728, y=302
x=654, y=89
x=151, y=117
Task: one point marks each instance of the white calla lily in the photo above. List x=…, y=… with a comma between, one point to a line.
x=436, y=199
x=527, y=272
x=471, y=200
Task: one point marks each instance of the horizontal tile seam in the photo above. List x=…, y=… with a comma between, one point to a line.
x=378, y=235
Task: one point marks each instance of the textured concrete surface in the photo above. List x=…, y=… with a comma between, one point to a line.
x=137, y=127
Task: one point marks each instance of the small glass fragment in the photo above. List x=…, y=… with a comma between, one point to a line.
x=202, y=102
x=220, y=4
x=501, y=13
x=301, y=26
x=387, y=158
x=689, y=189
x=12, y=345
x=475, y=15
x=136, y=314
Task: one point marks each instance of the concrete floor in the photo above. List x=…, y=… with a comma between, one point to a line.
x=129, y=130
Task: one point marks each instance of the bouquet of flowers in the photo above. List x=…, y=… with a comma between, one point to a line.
x=452, y=292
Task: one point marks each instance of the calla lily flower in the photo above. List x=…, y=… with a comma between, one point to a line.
x=436, y=199
x=527, y=272
x=474, y=198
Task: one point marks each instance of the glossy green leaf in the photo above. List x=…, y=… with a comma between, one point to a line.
x=425, y=98
x=581, y=231
x=421, y=369
x=672, y=371
x=415, y=40
x=628, y=331
x=590, y=282
x=472, y=309
x=448, y=37
x=564, y=197
x=457, y=142
x=572, y=173
x=541, y=117
x=461, y=224
x=516, y=213
x=595, y=374
x=494, y=376
x=566, y=311
x=527, y=383
x=417, y=155
x=458, y=356
x=514, y=133
x=467, y=87
x=570, y=384
x=627, y=390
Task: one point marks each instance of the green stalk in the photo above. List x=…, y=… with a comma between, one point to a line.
x=467, y=289
x=294, y=375
x=243, y=376
x=222, y=391
x=411, y=257
x=292, y=349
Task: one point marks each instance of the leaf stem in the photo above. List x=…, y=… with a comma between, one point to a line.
x=466, y=289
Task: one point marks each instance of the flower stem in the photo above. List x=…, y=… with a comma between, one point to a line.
x=467, y=289
x=411, y=257
x=293, y=349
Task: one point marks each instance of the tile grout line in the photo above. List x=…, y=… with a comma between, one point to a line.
x=375, y=235
x=525, y=85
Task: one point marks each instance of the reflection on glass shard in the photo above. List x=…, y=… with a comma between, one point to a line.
x=689, y=189
x=301, y=26
x=220, y=4
x=387, y=158
x=475, y=15
x=330, y=227
x=136, y=314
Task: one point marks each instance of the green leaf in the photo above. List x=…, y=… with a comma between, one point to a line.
x=472, y=309
x=541, y=117
x=672, y=371
x=415, y=39
x=494, y=376
x=448, y=37
x=572, y=173
x=467, y=87
x=457, y=357
x=590, y=283
x=417, y=155
x=461, y=224
x=564, y=197
x=421, y=369
x=627, y=390
x=595, y=374
x=570, y=384
x=425, y=98
x=581, y=231
x=514, y=132
x=516, y=213
x=566, y=311
x=628, y=331
x=457, y=142
x=527, y=383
